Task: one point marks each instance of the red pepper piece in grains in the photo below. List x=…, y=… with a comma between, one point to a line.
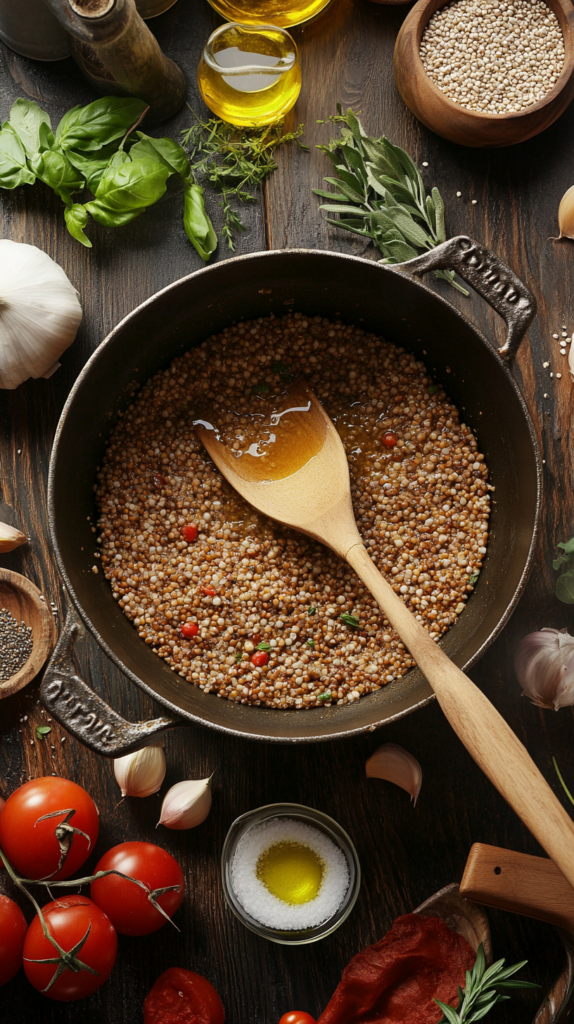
x=189, y=629
x=189, y=532
x=259, y=659
x=182, y=997
x=158, y=480
x=256, y=638
x=397, y=980
x=389, y=439
x=209, y=591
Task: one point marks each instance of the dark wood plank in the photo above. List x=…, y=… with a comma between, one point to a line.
x=406, y=854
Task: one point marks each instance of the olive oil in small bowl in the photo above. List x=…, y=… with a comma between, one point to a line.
x=290, y=873
x=249, y=75
x=285, y=13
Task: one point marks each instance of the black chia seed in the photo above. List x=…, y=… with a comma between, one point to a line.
x=15, y=644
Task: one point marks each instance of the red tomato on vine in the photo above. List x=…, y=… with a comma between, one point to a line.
x=297, y=1017
x=48, y=827
x=84, y=954
x=129, y=905
x=12, y=933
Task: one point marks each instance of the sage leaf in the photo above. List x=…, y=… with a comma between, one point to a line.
x=400, y=251
x=25, y=119
x=101, y=122
x=42, y=730
x=409, y=228
x=439, y=215
x=54, y=168
x=132, y=186
x=344, y=209
x=166, y=151
x=76, y=218
x=14, y=170
x=196, y=222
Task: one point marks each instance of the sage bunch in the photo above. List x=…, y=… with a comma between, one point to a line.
x=379, y=194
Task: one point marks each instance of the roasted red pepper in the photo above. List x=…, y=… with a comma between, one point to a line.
x=396, y=980
x=182, y=997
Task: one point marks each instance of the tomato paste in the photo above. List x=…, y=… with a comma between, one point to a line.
x=396, y=980
x=182, y=997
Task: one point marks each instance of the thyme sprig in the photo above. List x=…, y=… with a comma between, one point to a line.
x=234, y=162
x=481, y=991
x=379, y=194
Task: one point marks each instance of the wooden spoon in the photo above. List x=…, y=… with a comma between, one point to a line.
x=307, y=487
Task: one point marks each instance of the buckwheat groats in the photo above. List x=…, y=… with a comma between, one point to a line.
x=251, y=611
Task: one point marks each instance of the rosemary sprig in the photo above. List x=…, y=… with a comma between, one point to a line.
x=379, y=194
x=480, y=990
x=234, y=162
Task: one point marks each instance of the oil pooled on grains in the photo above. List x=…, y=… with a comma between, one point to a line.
x=291, y=871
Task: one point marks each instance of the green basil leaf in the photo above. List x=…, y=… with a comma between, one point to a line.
x=54, y=168
x=567, y=546
x=196, y=222
x=166, y=150
x=14, y=170
x=92, y=165
x=46, y=138
x=26, y=118
x=111, y=218
x=132, y=186
x=101, y=122
x=76, y=218
x=565, y=588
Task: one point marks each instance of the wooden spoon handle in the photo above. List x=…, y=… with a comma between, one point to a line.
x=485, y=734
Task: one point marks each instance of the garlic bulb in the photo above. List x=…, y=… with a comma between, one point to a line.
x=39, y=313
x=544, y=664
x=10, y=538
x=186, y=804
x=141, y=773
x=566, y=214
x=395, y=764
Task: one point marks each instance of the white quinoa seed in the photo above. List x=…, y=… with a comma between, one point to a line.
x=421, y=507
x=493, y=56
x=268, y=909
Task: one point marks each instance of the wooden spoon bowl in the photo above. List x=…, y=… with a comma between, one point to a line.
x=468, y=127
x=25, y=603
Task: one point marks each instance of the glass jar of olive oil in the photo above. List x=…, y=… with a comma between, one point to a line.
x=278, y=12
x=249, y=75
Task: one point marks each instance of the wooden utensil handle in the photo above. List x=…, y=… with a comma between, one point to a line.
x=484, y=732
x=531, y=886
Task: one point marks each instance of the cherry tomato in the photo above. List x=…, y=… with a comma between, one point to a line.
x=127, y=904
x=209, y=591
x=389, y=439
x=36, y=847
x=12, y=933
x=189, y=532
x=297, y=1017
x=259, y=658
x=189, y=629
x=180, y=996
x=70, y=919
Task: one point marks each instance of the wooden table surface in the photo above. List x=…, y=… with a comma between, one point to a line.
x=406, y=854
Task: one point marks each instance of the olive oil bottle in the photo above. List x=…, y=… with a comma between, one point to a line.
x=269, y=12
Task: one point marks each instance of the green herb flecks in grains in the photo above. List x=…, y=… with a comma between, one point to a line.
x=325, y=696
x=238, y=657
x=379, y=194
x=264, y=646
x=350, y=620
x=312, y=610
x=260, y=389
x=311, y=644
x=432, y=389
x=473, y=578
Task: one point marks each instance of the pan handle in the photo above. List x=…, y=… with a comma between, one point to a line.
x=75, y=706
x=490, y=277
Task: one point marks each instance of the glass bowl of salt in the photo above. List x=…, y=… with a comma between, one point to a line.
x=290, y=873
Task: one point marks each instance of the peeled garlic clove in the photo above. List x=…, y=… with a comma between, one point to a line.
x=141, y=773
x=186, y=804
x=395, y=764
x=10, y=538
x=566, y=214
x=544, y=664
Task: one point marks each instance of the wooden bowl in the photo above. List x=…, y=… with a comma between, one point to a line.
x=25, y=602
x=460, y=915
x=467, y=127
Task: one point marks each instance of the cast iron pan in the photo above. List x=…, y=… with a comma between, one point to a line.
x=389, y=301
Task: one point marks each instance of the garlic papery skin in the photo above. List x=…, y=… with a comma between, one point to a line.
x=544, y=664
x=566, y=214
x=39, y=313
x=10, y=538
x=186, y=804
x=141, y=773
x=395, y=764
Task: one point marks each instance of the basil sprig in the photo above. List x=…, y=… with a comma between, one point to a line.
x=379, y=194
x=565, y=582
x=97, y=148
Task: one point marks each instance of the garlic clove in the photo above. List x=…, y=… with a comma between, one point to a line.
x=186, y=804
x=141, y=773
x=544, y=665
x=10, y=538
x=566, y=214
x=395, y=764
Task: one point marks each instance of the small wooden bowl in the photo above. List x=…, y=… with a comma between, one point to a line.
x=460, y=915
x=467, y=127
x=24, y=601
